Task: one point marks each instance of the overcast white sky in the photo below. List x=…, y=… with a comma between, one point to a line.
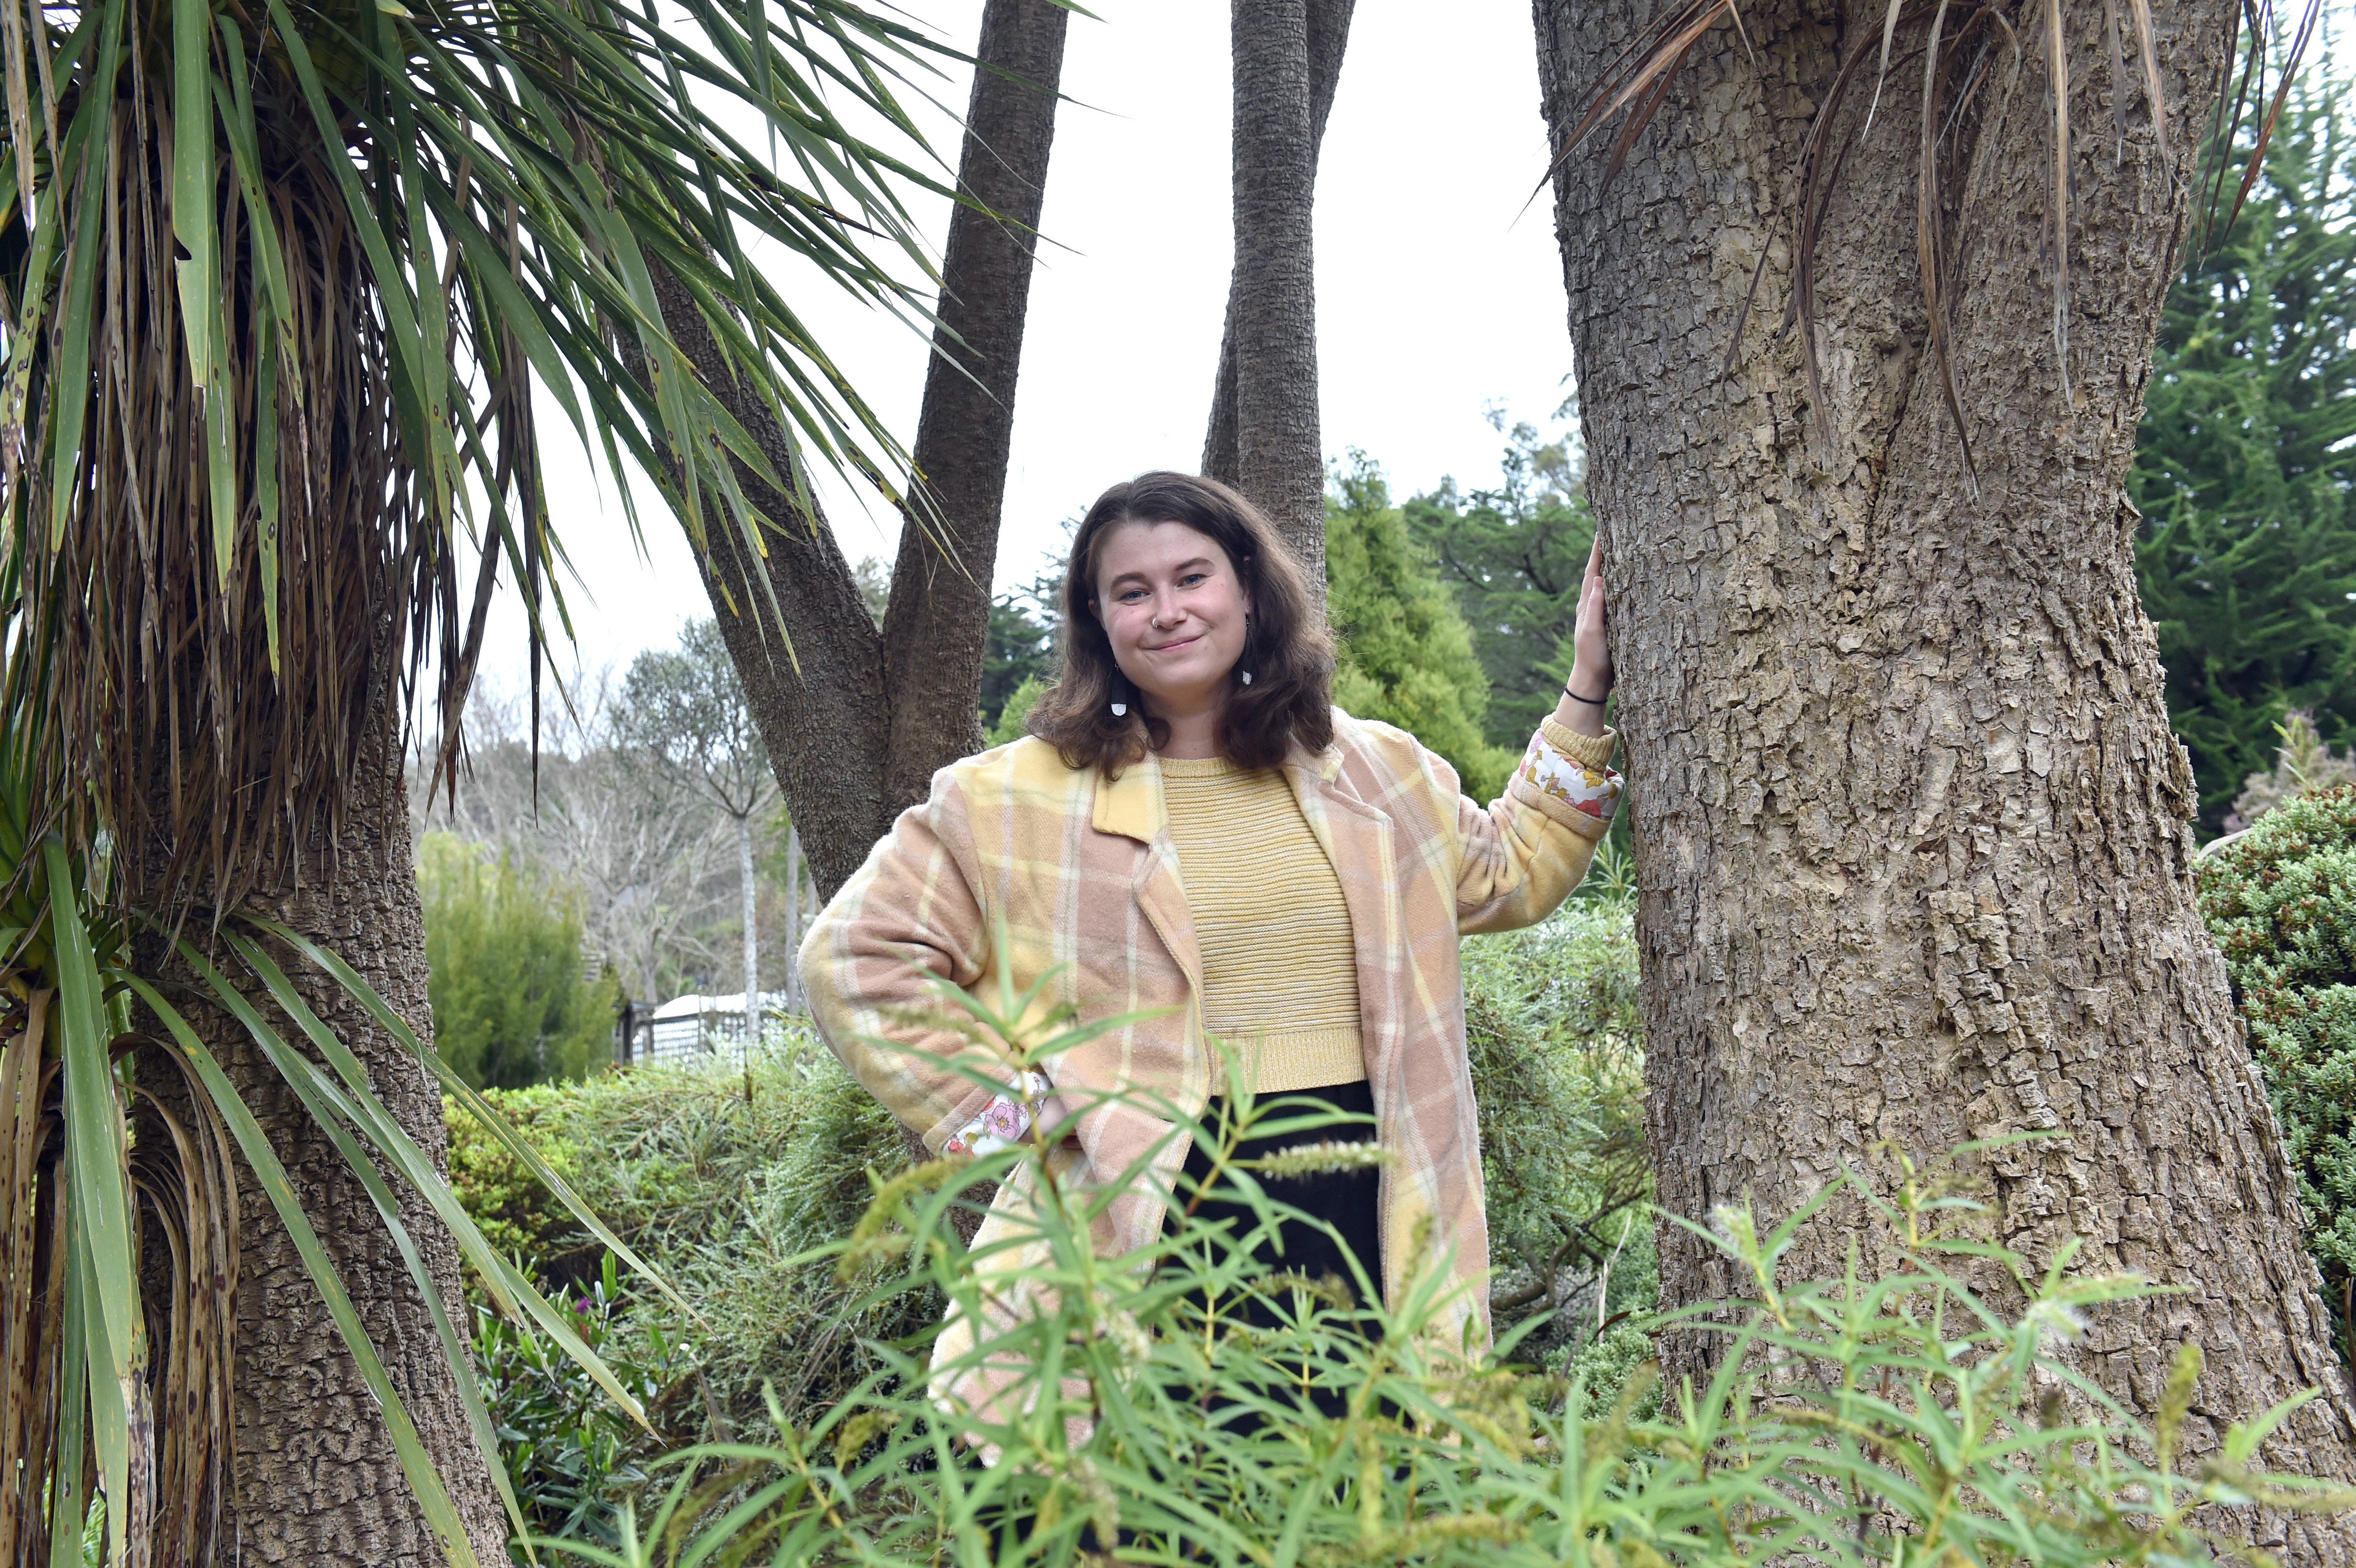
x=1438, y=295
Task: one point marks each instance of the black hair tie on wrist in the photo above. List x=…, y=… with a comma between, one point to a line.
x=1591, y=702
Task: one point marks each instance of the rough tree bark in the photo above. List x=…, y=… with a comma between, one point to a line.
x=1910, y=827
x=1329, y=36
x=857, y=730
x=313, y=1473
x=1279, y=457
x=938, y=616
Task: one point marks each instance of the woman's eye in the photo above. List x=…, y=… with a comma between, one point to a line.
x=1193, y=577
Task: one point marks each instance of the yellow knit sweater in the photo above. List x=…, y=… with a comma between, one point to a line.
x=1279, y=973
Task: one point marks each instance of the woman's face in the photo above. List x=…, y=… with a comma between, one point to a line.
x=1174, y=611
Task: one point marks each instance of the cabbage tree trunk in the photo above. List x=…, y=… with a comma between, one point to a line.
x=1912, y=831
x=313, y=1477
x=1328, y=38
x=859, y=719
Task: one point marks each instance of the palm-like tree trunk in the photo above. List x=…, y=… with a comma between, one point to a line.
x=1910, y=827
x=938, y=618
x=313, y=1477
x=1278, y=458
x=1329, y=36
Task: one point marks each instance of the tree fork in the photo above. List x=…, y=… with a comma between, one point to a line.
x=1911, y=826
x=1279, y=461
x=1328, y=37
x=938, y=616
x=857, y=721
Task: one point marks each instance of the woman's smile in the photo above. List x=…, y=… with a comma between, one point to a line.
x=1177, y=617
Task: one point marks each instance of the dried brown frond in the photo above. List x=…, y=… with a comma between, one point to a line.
x=1960, y=43
x=210, y=758
x=185, y=1192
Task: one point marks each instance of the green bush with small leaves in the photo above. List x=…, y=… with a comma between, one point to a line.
x=568, y=1449
x=2281, y=901
x=725, y=1179
x=1558, y=1074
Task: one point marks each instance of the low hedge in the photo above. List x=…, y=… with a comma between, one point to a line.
x=2281, y=901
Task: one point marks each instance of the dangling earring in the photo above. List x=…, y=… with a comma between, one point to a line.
x=1247, y=678
x=1121, y=709
x=1247, y=631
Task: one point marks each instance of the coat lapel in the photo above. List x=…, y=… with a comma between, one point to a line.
x=1132, y=806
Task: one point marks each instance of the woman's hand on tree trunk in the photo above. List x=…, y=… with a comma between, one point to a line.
x=1582, y=708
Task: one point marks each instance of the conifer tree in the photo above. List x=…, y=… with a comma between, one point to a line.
x=2244, y=466
x=1406, y=656
x=1515, y=556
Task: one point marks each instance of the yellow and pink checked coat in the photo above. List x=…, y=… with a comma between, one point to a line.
x=1017, y=865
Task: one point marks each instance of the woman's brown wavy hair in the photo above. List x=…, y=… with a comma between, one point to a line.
x=1291, y=697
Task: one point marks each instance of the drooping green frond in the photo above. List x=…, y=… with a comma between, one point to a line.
x=281, y=284
x=281, y=281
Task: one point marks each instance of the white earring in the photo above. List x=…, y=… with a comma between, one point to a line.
x=1247, y=678
x=1121, y=709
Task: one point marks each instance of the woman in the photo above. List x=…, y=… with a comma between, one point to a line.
x=1193, y=833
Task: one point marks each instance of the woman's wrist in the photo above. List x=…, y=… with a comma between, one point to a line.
x=1578, y=710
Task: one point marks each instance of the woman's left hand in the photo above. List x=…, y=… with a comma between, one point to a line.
x=1590, y=669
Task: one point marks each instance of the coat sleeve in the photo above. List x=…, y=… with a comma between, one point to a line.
x=1524, y=852
x=910, y=918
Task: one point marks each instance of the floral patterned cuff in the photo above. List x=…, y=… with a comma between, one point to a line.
x=1003, y=1123
x=1566, y=774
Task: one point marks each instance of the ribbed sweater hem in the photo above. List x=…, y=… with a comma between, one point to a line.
x=1282, y=1061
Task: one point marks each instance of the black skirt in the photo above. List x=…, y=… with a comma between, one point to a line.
x=1348, y=1200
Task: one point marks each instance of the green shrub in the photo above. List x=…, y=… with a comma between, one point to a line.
x=503, y=955
x=567, y=1449
x=1909, y=1422
x=1558, y=1071
x=727, y=1181
x=2281, y=901
x=1406, y=653
x=1009, y=726
x=518, y=1215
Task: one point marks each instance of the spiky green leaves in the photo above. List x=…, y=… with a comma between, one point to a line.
x=279, y=302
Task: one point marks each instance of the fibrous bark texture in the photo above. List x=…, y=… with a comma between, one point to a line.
x=313, y=1476
x=856, y=720
x=1910, y=827
x=1329, y=36
x=1279, y=459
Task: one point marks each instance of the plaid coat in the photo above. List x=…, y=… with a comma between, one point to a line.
x=1017, y=866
